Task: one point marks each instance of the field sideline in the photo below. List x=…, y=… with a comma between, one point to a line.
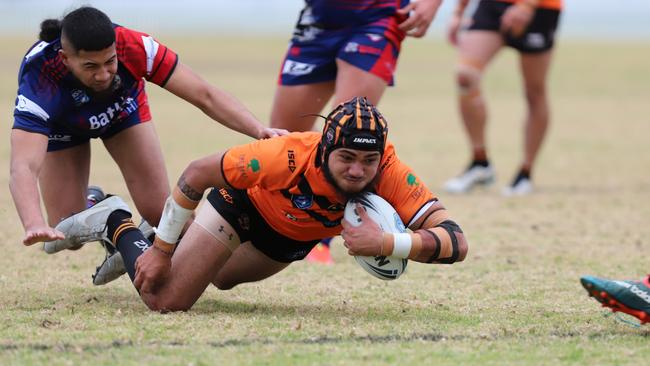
x=515, y=300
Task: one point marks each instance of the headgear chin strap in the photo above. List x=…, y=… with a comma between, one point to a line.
x=355, y=124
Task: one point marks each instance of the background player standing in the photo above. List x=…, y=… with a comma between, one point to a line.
x=529, y=27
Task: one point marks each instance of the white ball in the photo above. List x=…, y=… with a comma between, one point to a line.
x=381, y=212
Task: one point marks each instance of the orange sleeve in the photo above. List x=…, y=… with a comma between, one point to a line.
x=401, y=187
x=268, y=163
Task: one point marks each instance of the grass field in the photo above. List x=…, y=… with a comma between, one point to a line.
x=515, y=300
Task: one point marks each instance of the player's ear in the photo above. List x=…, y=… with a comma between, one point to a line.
x=64, y=57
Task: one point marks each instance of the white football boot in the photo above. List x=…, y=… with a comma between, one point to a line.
x=475, y=175
x=86, y=226
x=113, y=265
x=521, y=187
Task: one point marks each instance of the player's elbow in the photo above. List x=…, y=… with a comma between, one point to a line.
x=463, y=247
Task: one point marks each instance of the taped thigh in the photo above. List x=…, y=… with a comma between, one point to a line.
x=471, y=70
x=211, y=221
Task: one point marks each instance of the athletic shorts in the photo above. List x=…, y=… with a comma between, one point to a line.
x=538, y=37
x=235, y=206
x=61, y=138
x=313, y=51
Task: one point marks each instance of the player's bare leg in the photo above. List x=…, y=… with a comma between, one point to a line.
x=534, y=69
x=247, y=264
x=476, y=49
x=292, y=103
x=196, y=262
x=137, y=152
x=63, y=182
x=352, y=81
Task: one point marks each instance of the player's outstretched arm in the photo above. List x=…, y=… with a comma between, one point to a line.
x=27, y=154
x=436, y=238
x=153, y=266
x=217, y=104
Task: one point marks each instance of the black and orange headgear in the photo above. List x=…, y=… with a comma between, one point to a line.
x=355, y=124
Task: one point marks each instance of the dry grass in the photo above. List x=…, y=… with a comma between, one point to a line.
x=515, y=300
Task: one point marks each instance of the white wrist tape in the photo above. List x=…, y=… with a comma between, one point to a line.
x=401, y=245
x=172, y=221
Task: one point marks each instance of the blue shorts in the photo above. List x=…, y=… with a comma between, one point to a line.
x=313, y=51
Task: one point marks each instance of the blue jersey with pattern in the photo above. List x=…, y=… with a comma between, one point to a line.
x=50, y=98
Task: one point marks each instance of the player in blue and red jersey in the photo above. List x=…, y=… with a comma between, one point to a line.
x=84, y=79
x=341, y=49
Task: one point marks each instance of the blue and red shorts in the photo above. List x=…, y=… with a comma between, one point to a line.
x=312, y=53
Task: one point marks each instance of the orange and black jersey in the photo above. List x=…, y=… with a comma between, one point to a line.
x=291, y=192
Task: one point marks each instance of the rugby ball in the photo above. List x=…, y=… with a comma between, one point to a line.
x=381, y=212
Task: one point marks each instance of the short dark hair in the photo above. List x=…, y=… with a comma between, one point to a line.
x=85, y=28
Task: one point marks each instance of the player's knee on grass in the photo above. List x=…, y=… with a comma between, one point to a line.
x=166, y=303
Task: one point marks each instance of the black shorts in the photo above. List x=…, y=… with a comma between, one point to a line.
x=235, y=206
x=538, y=37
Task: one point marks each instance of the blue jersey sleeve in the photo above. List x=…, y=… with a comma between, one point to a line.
x=36, y=101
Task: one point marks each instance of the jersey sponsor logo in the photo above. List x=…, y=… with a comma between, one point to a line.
x=412, y=180
x=241, y=166
x=60, y=137
x=296, y=68
x=226, y=196
x=151, y=50
x=254, y=165
x=302, y=201
x=80, y=97
x=102, y=119
x=291, y=157
x=364, y=140
x=24, y=104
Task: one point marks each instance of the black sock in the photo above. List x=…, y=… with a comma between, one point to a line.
x=522, y=174
x=483, y=163
x=126, y=237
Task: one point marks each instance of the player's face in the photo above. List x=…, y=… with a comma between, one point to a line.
x=352, y=170
x=94, y=69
